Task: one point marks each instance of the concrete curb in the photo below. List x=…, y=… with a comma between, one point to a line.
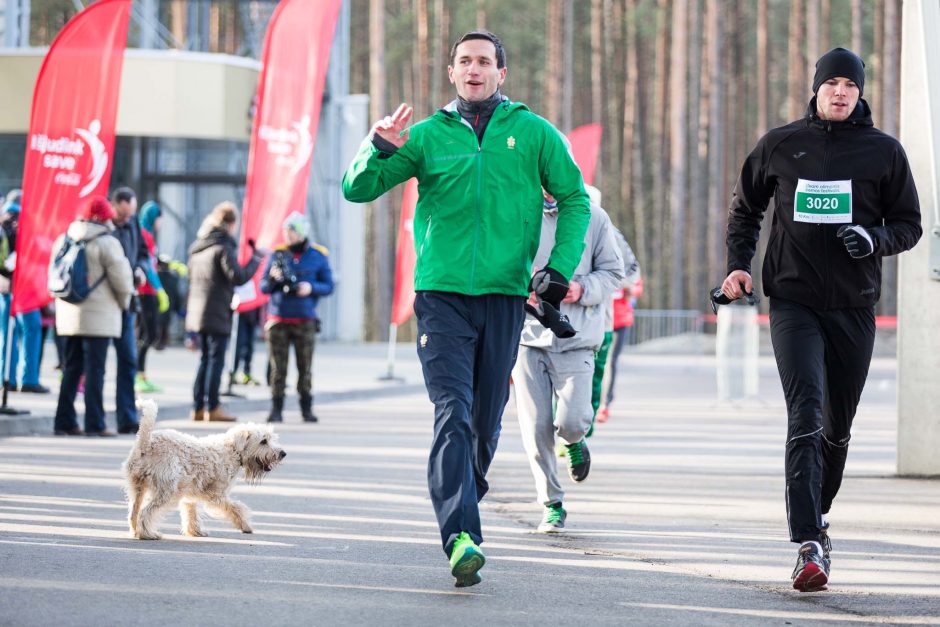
x=42, y=423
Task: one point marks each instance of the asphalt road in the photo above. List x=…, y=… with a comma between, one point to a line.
x=681, y=522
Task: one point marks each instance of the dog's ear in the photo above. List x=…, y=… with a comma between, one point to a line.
x=241, y=438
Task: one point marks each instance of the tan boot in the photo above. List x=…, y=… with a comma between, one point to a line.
x=218, y=415
x=197, y=414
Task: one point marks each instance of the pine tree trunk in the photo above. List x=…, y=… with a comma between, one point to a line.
x=379, y=276
x=420, y=60
x=632, y=190
x=698, y=124
x=660, y=157
x=812, y=32
x=597, y=82
x=717, y=174
x=797, y=75
x=857, y=26
x=678, y=156
x=616, y=57
x=553, y=51
x=763, y=73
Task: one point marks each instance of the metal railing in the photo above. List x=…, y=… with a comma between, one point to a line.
x=652, y=324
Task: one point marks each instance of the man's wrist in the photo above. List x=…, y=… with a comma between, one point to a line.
x=383, y=145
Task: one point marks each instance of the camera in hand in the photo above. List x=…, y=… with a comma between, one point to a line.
x=288, y=281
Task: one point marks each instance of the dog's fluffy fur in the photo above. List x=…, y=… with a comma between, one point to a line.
x=166, y=468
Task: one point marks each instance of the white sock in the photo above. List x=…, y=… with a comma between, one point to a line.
x=825, y=520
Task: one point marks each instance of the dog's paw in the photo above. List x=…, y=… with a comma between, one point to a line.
x=195, y=533
x=247, y=530
x=149, y=536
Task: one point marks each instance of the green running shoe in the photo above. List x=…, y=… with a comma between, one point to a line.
x=579, y=460
x=554, y=519
x=466, y=560
x=143, y=384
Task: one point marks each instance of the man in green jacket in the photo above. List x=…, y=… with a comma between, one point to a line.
x=481, y=163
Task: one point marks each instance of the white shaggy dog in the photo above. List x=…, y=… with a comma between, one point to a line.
x=167, y=467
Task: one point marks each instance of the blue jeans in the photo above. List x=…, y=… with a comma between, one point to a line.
x=245, y=341
x=28, y=332
x=126, y=346
x=209, y=374
x=83, y=354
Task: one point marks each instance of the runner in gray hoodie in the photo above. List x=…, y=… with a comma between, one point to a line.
x=549, y=367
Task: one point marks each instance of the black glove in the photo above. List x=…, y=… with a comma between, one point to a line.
x=718, y=297
x=549, y=286
x=857, y=240
x=551, y=319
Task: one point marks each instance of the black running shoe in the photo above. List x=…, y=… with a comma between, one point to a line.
x=579, y=460
x=812, y=570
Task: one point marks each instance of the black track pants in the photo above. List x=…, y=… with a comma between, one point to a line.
x=467, y=346
x=823, y=359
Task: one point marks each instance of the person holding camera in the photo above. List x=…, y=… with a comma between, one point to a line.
x=296, y=276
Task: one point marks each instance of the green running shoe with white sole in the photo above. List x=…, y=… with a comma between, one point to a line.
x=466, y=560
x=554, y=519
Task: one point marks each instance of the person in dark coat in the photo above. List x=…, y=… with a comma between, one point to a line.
x=843, y=199
x=214, y=272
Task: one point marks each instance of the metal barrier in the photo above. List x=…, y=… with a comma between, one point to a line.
x=652, y=324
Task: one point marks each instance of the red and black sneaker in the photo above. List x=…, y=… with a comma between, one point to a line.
x=812, y=569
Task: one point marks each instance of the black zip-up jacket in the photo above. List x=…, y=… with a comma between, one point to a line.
x=806, y=262
x=132, y=242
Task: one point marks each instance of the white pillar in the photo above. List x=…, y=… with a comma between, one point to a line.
x=919, y=279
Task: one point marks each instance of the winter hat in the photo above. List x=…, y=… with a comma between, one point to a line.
x=297, y=223
x=840, y=62
x=12, y=203
x=149, y=214
x=98, y=209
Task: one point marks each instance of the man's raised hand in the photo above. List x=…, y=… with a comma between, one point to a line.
x=391, y=127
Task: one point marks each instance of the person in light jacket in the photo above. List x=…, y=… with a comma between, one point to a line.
x=89, y=326
x=551, y=367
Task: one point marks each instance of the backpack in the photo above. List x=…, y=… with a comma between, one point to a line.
x=68, y=274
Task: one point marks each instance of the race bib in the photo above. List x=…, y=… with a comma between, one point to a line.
x=823, y=202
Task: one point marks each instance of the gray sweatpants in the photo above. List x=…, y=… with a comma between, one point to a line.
x=540, y=377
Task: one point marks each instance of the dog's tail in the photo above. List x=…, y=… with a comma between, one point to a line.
x=148, y=415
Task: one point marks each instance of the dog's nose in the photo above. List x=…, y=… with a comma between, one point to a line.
x=283, y=454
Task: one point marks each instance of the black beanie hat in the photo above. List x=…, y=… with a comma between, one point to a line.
x=840, y=62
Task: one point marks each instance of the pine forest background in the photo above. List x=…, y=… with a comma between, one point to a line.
x=682, y=88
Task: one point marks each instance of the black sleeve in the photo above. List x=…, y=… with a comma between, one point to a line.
x=237, y=274
x=749, y=200
x=901, y=209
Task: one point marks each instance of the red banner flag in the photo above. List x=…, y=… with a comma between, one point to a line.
x=404, y=297
x=585, y=145
x=290, y=91
x=71, y=138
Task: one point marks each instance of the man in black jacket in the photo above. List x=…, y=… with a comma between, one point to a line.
x=127, y=231
x=844, y=198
